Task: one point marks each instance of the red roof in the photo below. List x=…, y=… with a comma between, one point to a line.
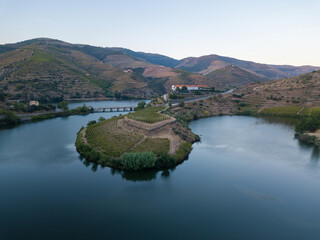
x=199, y=86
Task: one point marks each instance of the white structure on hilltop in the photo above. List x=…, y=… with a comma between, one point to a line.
x=189, y=87
x=34, y=103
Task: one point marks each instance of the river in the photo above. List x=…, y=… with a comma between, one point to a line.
x=248, y=178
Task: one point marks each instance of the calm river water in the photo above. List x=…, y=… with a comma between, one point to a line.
x=247, y=179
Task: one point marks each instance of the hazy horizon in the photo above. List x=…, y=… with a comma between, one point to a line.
x=274, y=32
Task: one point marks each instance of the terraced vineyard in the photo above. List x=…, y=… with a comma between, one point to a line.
x=148, y=115
x=253, y=102
x=156, y=145
x=110, y=139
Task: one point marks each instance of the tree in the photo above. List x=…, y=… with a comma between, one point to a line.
x=141, y=105
x=63, y=105
x=2, y=97
x=309, y=123
x=181, y=103
x=91, y=122
x=101, y=119
x=117, y=94
x=19, y=107
x=184, y=88
x=11, y=117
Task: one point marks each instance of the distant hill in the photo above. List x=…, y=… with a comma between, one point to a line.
x=232, y=76
x=49, y=70
x=209, y=63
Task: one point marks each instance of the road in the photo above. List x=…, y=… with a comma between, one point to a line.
x=175, y=102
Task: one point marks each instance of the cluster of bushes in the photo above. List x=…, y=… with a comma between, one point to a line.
x=141, y=105
x=10, y=118
x=309, y=123
x=138, y=161
x=181, y=103
x=271, y=97
x=238, y=95
x=175, y=96
x=79, y=110
x=183, y=152
x=165, y=160
x=43, y=116
x=2, y=96
x=86, y=151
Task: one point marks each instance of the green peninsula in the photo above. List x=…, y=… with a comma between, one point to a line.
x=145, y=139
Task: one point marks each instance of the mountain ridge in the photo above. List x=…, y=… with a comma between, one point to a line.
x=45, y=68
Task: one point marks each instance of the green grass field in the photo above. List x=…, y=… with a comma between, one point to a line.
x=110, y=139
x=156, y=145
x=285, y=110
x=308, y=110
x=148, y=115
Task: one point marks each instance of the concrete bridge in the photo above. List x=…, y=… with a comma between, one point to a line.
x=114, y=109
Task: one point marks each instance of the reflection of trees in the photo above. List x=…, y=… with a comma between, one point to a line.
x=146, y=175
x=315, y=155
x=139, y=176
x=165, y=174
x=94, y=167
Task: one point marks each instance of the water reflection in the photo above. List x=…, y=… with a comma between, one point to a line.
x=142, y=176
x=283, y=121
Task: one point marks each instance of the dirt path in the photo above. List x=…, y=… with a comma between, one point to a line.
x=300, y=110
x=316, y=133
x=84, y=139
x=174, y=140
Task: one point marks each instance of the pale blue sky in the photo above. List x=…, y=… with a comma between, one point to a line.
x=274, y=31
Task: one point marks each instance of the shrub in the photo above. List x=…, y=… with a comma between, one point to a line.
x=91, y=122
x=11, y=118
x=141, y=105
x=183, y=151
x=101, y=119
x=84, y=109
x=138, y=161
x=63, y=105
x=165, y=160
x=309, y=123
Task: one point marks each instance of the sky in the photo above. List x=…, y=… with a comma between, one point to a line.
x=270, y=31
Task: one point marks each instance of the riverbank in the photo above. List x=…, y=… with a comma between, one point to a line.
x=15, y=119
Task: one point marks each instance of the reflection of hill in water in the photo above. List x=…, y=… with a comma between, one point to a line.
x=141, y=176
x=285, y=121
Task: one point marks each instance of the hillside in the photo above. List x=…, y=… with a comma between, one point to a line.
x=209, y=63
x=49, y=70
x=232, y=75
x=301, y=90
